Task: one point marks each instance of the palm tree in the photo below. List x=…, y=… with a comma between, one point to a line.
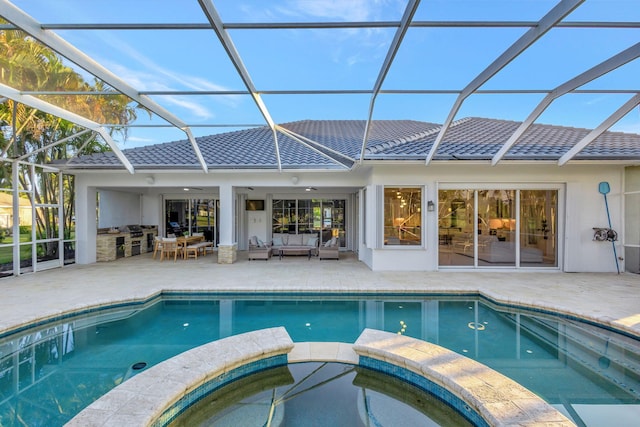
x=25, y=64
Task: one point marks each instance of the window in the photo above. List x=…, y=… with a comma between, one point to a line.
x=402, y=216
x=324, y=217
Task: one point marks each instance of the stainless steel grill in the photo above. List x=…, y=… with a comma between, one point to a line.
x=133, y=230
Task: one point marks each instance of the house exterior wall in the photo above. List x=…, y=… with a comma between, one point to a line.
x=632, y=219
x=6, y=210
x=581, y=206
x=118, y=208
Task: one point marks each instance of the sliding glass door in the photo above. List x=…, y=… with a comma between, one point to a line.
x=498, y=228
x=193, y=215
x=538, y=227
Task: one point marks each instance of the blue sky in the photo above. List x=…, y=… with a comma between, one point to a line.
x=344, y=59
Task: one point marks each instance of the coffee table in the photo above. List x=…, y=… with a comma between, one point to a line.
x=294, y=250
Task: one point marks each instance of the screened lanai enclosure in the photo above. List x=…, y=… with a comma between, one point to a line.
x=113, y=78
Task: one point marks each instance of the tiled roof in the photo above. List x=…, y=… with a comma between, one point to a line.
x=480, y=139
x=336, y=144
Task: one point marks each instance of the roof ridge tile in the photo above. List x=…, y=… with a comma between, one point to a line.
x=378, y=147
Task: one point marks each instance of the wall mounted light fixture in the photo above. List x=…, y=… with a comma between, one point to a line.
x=431, y=206
x=294, y=180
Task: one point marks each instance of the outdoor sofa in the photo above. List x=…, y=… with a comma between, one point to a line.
x=295, y=244
x=302, y=242
x=493, y=250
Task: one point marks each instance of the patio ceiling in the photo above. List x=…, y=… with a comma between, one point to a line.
x=204, y=67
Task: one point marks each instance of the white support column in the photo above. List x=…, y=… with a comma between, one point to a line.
x=228, y=247
x=86, y=224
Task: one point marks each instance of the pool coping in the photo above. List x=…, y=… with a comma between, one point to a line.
x=159, y=394
x=497, y=399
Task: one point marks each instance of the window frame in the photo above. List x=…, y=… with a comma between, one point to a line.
x=402, y=221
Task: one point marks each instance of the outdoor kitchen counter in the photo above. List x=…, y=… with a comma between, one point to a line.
x=110, y=248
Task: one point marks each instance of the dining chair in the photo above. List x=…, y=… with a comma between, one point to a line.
x=169, y=247
x=157, y=246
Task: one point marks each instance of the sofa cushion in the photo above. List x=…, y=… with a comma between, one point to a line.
x=307, y=237
x=312, y=241
x=294, y=240
x=279, y=239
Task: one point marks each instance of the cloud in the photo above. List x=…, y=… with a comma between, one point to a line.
x=348, y=44
x=597, y=100
x=161, y=79
x=348, y=10
x=341, y=10
x=196, y=109
x=140, y=140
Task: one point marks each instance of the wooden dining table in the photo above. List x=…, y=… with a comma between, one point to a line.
x=184, y=241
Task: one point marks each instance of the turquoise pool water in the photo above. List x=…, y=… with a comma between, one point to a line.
x=51, y=372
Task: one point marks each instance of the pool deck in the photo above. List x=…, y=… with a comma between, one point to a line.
x=606, y=298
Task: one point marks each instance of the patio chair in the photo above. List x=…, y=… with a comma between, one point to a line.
x=258, y=250
x=169, y=247
x=157, y=246
x=330, y=250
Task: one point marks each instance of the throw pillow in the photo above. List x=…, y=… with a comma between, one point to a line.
x=260, y=243
x=277, y=241
x=327, y=243
x=253, y=241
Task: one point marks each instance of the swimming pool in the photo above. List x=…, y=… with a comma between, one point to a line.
x=51, y=372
